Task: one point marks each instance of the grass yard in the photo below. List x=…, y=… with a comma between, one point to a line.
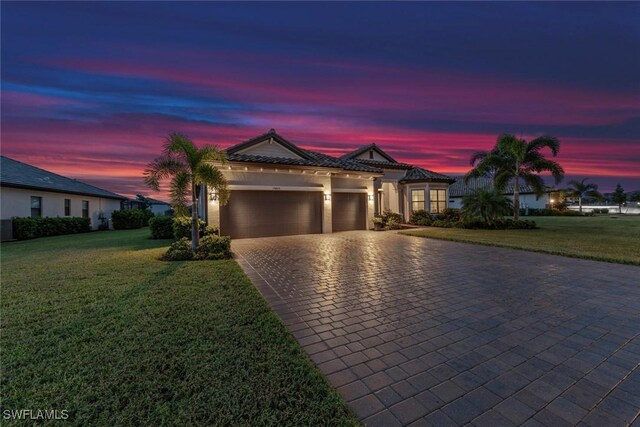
x=97, y=325
x=613, y=238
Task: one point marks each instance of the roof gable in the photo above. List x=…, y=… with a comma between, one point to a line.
x=369, y=152
x=269, y=144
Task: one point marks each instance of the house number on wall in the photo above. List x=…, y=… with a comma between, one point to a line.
x=276, y=188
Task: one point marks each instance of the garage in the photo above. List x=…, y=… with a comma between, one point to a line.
x=271, y=213
x=349, y=211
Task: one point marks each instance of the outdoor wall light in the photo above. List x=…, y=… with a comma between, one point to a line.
x=213, y=195
x=370, y=197
x=327, y=196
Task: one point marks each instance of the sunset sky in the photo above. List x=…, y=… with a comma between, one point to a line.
x=89, y=90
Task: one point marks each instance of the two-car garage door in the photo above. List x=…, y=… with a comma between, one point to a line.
x=271, y=213
x=281, y=213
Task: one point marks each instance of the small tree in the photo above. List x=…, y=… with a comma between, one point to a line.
x=487, y=205
x=187, y=167
x=619, y=197
x=581, y=190
x=518, y=161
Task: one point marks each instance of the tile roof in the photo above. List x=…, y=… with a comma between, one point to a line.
x=417, y=174
x=17, y=174
x=346, y=162
x=460, y=189
x=383, y=164
x=307, y=157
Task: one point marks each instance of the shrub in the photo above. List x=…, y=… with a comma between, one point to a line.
x=31, y=228
x=391, y=220
x=211, y=230
x=604, y=211
x=146, y=216
x=180, y=250
x=489, y=206
x=161, y=227
x=182, y=227
x=213, y=247
x=393, y=224
x=501, y=224
x=420, y=217
x=127, y=219
x=450, y=214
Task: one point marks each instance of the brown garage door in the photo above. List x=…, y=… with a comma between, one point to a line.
x=271, y=213
x=349, y=211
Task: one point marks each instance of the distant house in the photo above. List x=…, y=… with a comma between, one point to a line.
x=528, y=198
x=158, y=207
x=28, y=191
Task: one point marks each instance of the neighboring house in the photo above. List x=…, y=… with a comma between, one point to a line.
x=158, y=207
x=28, y=191
x=528, y=197
x=278, y=188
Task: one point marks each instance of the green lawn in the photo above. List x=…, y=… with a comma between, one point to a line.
x=613, y=238
x=97, y=325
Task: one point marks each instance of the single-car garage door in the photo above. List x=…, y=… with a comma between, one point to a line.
x=349, y=211
x=271, y=213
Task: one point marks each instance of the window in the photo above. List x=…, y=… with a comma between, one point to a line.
x=438, y=200
x=85, y=209
x=67, y=207
x=417, y=200
x=36, y=207
x=371, y=154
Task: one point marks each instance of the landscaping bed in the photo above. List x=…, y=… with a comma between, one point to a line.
x=96, y=324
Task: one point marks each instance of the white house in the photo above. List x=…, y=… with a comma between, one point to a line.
x=28, y=191
x=528, y=197
x=278, y=188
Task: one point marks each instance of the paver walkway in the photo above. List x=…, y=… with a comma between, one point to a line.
x=416, y=331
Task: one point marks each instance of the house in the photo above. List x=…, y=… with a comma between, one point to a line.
x=158, y=207
x=28, y=191
x=278, y=188
x=528, y=197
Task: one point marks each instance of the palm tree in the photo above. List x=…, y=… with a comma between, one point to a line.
x=487, y=205
x=581, y=190
x=188, y=168
x=514, y=159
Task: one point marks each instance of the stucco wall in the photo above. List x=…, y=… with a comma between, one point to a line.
x=17, y=202
x=285, y=178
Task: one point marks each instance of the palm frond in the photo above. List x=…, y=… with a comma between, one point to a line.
x=212, y=177
x=179, y=192
x=211, y=153
x=182, y=147
x=547, y=141
x=535, y=182
x=162, y=168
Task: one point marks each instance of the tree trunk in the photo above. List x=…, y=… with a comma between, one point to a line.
x=516, y=199
x=195, y=226
x=580, y=203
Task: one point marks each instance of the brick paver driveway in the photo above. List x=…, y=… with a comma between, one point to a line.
x=429, y=332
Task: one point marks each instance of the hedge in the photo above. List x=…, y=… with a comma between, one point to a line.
x=161, y=227
x=127, y=219
x=31, y=228
x=182, y=227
